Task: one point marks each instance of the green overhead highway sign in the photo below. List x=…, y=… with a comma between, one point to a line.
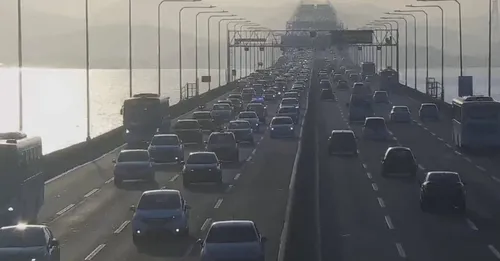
x=351, y=37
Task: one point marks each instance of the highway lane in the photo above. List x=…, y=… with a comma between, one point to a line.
x=96, y=214
x=414, y=234
x=257, y=191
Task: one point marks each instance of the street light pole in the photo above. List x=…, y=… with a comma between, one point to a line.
x=180, y=46
x=196, y=44
x=87, y=66
x=489, y=46
x=459, y=29
x=228, y=70
x=130, y=47
x=414, y=46
x=20, y=60
x=208, y=44
x=406, y=44
x=426, y=39
x=442, y=42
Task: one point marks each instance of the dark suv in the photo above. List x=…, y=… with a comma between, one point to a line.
x=189, y=131
x=443, y=187
x=399, y=160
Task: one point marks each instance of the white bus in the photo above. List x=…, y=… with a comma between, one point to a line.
x=476, y=122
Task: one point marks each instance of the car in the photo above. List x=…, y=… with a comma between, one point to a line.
x=259, y=100
x=354, y=77
x=234, y=96
x=289, y=111
x=237, y=103
x=342, y=85
x=443, y=187
x=166, y=148
x=224, y=145
x=342, y=143
x=399, y=160
x=325, y=84
x=200, y=167
x=159, y=212
x=400, y=114
x=298, y=89
x=205, y=120
x=222, y=112
x=282, y=126
x=189, y=131
x=428, y=111
x=290, y=102
x=133, y=164
x=327, y=94
x=251, y=117
x=233, y=240
x=375, y=128
x=381, y=97
x=247, y=94
x=291, y=94
x=28, y=242
x=270, y=95
x=258, y=108
x=242, y=131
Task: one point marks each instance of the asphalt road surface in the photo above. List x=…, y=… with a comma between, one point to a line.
x=90, y=216
x=367, y=217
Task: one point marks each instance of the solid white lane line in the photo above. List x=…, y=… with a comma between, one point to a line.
x=369, y=175
x=471, y=224
x=480, y=168
x=401, y=250
x=381, y=202
x=122, y=227
x=218, y=203
x=66, y=209
x=174, y=178
x=494, y=251
x=229, y=188
x=206, y=224
x=95, y=252
x=109, y=180
x=388, y=221
x=91, y=192
x=237, y=176
x=374, y=186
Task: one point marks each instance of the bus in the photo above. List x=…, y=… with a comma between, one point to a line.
x=367, y=68
x=143, y=116
x=476, y=122
x=22, y=188
x=389, y=79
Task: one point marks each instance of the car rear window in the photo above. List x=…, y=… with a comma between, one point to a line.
x=287, y=110
x=239, y=125
x=221, y=138
x=165, y=140
x=443, y=178
x=231, y=234
x=132, y=156
x=159, y=201
x=375, y=123
x=399, y=154
x=247, y=115
x=187, y=125
x=29, y=237
x=221, y=107
x=343, y=139
x=202, y=116
x=201, y=158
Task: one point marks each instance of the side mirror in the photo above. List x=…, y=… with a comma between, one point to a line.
x=113, y=160
x=54, y=242
x=132, y=208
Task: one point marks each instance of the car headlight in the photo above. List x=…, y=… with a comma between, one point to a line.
x=291, y=128
x=272, y=128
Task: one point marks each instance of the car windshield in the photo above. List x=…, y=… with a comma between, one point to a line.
x=165, y=140
x=247, y=115
x=187, y=125
x=159, y=201
x=30, y=237
x=132, y=156
x=231, y=234
x=282, y=121
x=289, y=101
x=400, y=109
x=429, y=108
x=443, y=178
x=375, y=124
x=221, y=107
x=239, y=125
x=287, y=110
x=399, y=154
x=221, y=139
x=202, y=158
x=202, y=116
x=254, y=107
x=234, y=96
x=482, y=113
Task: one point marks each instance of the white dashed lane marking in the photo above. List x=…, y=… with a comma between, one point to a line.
x=95, y=252
x=122, y=227
x=90, y=193
x=374, y=186
x=388, y=222
x=237, y=176
x=401, y=250
x=109, y=180
x=218, y=203
x=66, y=209
x=480, y=168
x=471, y=224
x=364, y=165
x=174, y=178
x=369, y=175
x=494, y=251
x=206, y=224
x=381, y=202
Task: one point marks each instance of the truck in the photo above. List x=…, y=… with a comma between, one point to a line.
x=367, y=68
x=144, y=115
x=22, y=188
x=389, y=79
